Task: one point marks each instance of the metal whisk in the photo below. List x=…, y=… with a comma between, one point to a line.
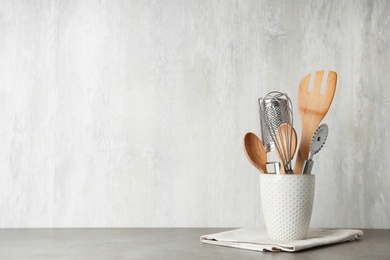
x=275, y=110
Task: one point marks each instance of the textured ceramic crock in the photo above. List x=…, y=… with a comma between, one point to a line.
x=287, y=203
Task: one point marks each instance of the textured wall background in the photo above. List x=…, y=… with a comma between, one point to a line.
x=132, y=113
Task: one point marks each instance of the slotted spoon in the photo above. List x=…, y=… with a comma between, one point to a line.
x=312, y=107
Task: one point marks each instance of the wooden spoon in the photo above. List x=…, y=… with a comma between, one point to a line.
x=286, y=145
x=255, y=152
x=312, y=107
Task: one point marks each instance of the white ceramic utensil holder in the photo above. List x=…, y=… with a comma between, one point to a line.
x=287, y=202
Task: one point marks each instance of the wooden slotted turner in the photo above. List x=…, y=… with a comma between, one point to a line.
x=312, y=107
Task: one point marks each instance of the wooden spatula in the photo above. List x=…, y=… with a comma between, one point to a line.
x=312, y=107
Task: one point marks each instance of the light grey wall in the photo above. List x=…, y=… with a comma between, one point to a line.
x=132, y=113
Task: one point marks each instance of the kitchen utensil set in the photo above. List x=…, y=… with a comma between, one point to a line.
x=278, y=133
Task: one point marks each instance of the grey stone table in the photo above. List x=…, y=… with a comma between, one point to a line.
x=164, y=243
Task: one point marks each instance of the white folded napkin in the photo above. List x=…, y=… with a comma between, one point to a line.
x=256, y=238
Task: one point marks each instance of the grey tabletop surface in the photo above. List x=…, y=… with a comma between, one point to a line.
x=165, y=243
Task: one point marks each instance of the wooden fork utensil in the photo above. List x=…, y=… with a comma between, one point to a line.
x=312, y=107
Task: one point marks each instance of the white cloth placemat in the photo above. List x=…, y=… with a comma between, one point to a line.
x=256, y=238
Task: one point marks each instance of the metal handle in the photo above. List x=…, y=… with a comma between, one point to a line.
x=307, y=166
